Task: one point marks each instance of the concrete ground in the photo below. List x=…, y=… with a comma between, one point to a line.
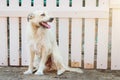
x=16, y=73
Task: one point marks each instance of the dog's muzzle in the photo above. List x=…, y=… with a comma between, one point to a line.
x=45, y=24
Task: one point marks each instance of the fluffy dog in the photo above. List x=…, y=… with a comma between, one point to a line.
x=42, y=45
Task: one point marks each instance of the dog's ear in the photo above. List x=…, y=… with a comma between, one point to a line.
x=30, y=16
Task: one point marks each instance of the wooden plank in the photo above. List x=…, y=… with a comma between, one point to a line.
x=26, y=4
x=14, y=4
x=76, y=43
x=64, y=13
x=3, y=3
x=77, y=4
x=64, y=38
x=89, y=43
x=114, y=3
x=3, y=42
x=104, y=4
x=51, y=4
x=102, y=45
x=89, y=3
x=24, y=55
x=14, y=41
x=115, y=51
x=64, y=32
x=64, y=4
x=38, y=4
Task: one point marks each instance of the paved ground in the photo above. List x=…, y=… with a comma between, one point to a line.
x=16, y=73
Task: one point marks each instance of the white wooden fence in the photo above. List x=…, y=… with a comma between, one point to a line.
x=83, y=29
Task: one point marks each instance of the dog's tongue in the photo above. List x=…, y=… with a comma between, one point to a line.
x=46, y=25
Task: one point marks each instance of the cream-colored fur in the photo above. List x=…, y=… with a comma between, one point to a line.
x=42, y=43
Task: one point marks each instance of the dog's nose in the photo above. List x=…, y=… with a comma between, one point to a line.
x=51, y=19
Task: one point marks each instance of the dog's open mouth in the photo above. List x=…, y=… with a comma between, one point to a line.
x=45, y=25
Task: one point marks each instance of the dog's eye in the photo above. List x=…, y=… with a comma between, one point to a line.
x=43, y=14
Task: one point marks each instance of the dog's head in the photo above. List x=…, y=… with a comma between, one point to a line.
x=39, y=19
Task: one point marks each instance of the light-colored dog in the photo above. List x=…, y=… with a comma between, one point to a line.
x=42, y=44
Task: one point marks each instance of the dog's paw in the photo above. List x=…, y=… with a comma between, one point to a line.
x=61, y=71
x=39, y=73
x=28, y=72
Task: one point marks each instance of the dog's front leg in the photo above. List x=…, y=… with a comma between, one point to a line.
x=30, y=67
x=42, y=63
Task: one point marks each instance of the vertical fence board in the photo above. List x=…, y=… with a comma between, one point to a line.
x=115, y=3
x=14, y=3
x=64, y=38
x=104, y=4
x=24, y=55
x=76, y=4
x=102, y=44
x=89, y=41
x=115, y=53
x=14, y=35
x=3, y=3
x=3, y=42
x=89, y=3
x=64, y=32
x=38, y=4
x=51, y=4
x=26, y=4
x=64, y=4
x=14, y=41
x=76, y=42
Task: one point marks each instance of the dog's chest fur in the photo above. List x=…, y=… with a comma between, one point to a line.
x=40, y=38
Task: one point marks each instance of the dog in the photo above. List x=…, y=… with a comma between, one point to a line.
x=42, y=45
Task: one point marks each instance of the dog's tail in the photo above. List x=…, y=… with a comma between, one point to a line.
x=78, y=70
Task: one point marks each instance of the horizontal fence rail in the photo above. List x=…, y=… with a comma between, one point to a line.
x=86, y=31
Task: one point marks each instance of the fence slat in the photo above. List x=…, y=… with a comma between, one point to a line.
x=89, y=37
x=114, y=3
x=89, y=43
x=14, y=35
x=64, y=4
x=115, y=51
x=38, y=4
x=24, y=55
x=14, y=41
x=104, y=4
x=102, y=45
x=51, y=4
x=3, y=3
x=76, y=42
x=26, y=4
x=14, y=3
x=63, y=38
x=3, y=42
x=77, y=4
x=89, y=3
